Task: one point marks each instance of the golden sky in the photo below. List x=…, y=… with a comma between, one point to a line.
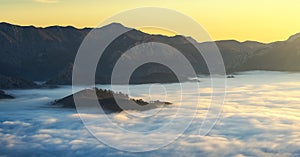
x=260, y=20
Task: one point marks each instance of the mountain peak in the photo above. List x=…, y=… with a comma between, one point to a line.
x=113, y=25
x=5, y=23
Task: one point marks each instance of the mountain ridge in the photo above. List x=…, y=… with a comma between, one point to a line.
x=45, y=54
x=81, y=28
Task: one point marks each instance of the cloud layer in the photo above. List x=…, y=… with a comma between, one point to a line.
x=260, y=118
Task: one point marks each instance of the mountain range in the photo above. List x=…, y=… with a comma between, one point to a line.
x=31, y=53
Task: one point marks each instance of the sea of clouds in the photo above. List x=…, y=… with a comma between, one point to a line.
x=260, y=117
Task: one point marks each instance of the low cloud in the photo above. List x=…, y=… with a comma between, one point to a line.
x=16, y=123
x=257, y=120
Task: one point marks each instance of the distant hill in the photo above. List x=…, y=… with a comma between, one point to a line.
x=47, y=54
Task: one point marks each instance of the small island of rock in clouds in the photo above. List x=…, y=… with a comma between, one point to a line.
x=110, y=101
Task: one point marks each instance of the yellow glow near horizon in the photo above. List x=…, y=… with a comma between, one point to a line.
x=260, y=20
x=153, y=30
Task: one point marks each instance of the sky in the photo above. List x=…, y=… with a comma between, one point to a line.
x=259, y=20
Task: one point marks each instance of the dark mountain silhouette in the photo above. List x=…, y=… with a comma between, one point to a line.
x=14, y=83
x=37, y=53
x=47, y=54
x=235, y=53
x=279, y=56
x=63, y=77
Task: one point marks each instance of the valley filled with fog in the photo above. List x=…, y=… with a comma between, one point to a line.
x=260, y=117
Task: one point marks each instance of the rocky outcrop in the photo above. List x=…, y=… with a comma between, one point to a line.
x=109, y=101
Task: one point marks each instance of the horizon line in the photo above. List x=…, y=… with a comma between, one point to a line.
x=81, y=28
